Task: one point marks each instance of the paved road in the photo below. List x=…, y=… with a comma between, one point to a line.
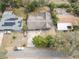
x=35, y=53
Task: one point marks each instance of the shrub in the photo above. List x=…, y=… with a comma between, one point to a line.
x=31, y=7
x=54, y=18
x=24, y=28
x=52, y=6
x=50, y=41
x=63, y=5
x=72, y=1
x=2, y=6
x=39, y=41
x=43, y=42
x=14, y=37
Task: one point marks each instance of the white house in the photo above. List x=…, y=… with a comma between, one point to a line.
x=64, y=26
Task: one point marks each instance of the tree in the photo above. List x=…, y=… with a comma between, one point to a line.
x=24, y=28
x=31, y=7
x=50, y=40
x=40, y=41
x=75, y=7
x=47, y=41
x=13, y=3
x=52, y=6
x=2, y=6
x=73, y=1
x=54, y=18
x=63, y=5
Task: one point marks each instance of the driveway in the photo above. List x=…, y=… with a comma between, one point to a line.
x=30, y=36
x=1, y=37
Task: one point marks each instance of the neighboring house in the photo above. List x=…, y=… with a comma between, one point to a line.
x=39, y=21
x=66, y=20
x=10, y=22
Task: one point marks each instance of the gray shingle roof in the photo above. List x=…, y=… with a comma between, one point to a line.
x=39, y=21
x=10, y=21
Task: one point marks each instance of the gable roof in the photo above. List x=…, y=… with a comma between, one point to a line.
x=65, y=17
x=10, y=21
x=69, y=19
x=39, y=21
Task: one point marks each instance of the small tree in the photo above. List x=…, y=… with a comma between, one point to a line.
x=40, y=41
x=52, y=6
x=54, y=18
x=73, y=1
x=24, y=28
x=2, y=6
x=63, y=5
x=47, y=41
x=50, y=40
x=31, y=7
x=14, y=37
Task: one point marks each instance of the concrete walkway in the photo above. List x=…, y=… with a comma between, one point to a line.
x=30, y=36
x=1, y=37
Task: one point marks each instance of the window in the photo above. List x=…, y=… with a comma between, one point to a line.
x=69, y=27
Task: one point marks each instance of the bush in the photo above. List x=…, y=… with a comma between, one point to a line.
x=75, y=7
x=14, y=37
x=39, y=41
x=24, y=28
x=73, y=1
x=63, y=5
x=54, y=18
x=52, y=6
x=31, y=7
x=43, y=42
x=51, y=41
x=2, y=6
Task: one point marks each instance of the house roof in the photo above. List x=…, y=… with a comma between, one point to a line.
x=9, y=21
x=65, y=17
x=69, y=19
x=39, y=21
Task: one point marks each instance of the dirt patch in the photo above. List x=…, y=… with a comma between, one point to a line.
x=12, y=40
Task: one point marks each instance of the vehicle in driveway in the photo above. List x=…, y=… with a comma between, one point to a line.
x=18, y=48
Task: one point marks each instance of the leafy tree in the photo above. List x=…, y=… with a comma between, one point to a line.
x=54, y=18
x=75, y=7
x=64, y=5
x=24, y=28
x=73, y=1
x=52, y=6
x=39, y=41
x=2, y=6
x=50, y=40
x=13, y=3
x=31, y=7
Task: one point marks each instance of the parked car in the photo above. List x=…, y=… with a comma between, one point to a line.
x=18, y=48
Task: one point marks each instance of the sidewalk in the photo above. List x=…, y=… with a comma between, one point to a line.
x=1, y=37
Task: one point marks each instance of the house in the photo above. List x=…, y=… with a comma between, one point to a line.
x=66, y=20
x=10, y=22
x=64, y=26
x=39, y=21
